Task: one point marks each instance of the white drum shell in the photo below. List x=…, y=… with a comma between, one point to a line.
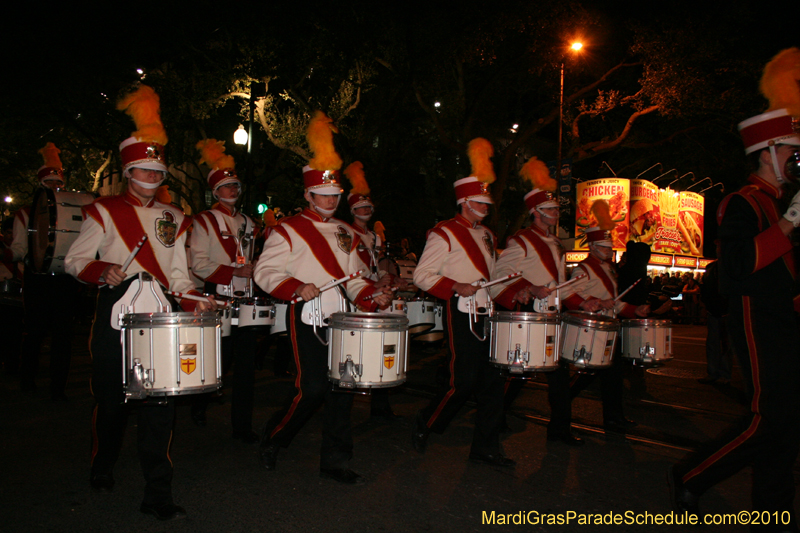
x=367, y=350
x=646, y=341
x=280, y=318
x=175, y=353
x=226, y=321
x=57, y=218
x=256, y=312
x=587, y=339
x=437, y=332
x=525, y=342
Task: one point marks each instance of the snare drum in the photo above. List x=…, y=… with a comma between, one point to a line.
x=256, y=312
x=647, y=342
x=421, y=316
x=171, y=354
x=437, y=332
x=54, y=225
x=587, y=339
x=280, y=319
x=367, y=350
x=525, y=342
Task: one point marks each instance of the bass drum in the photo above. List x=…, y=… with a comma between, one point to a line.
x=54, y=225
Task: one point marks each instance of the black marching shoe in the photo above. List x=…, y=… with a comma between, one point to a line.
x=247, y=437
x=163, y=511
x=342, y=475
x=269, y=455
x=567, y=438
x=102, y=483
x=682, y=499
x=419, y=435
x=493, y=459
x=619, y=425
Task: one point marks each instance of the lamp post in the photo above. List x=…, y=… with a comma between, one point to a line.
x=576, y=47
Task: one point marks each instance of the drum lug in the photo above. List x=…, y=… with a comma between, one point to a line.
x=137, y=385
x=349, y=370
x=647, y=350
x=517, y=360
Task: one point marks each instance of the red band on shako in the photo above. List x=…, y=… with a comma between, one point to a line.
x=774, y=126
x=538, y=197
x=472, y=189
x=322, y=181
x=140, y=154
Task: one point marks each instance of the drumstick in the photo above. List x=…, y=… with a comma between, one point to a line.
x=331, y=284
x=484, y=284
x=628, y=289
x=177, y=294
x=573, y=280
x=372, y=296
x=135, y=251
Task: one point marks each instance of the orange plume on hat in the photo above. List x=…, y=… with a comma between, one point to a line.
x=480, y=151
x=535, y=171
x=780, y=83
x=212, y=153
x=269, y=218
x=380, y=230
x=143, y=106
x=355, y=173
x=602, y=213
x=320, y=140
x=50, y=156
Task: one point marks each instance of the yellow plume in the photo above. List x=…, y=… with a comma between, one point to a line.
x=212, y=153
x=535, y=171
x=144, y=107
x=269, y=218
x=480, y=152
x=380, y=230
x=50, y=156
x=602, y=213
x=320, y=140
x=780, y=83
x=355, y=173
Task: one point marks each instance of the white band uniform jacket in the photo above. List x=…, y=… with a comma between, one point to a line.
x=540, y=258
x=112, y=227
x=600, y=283
x=307, y=248
x=456, y=252
x=213, y=254
x=370, y=240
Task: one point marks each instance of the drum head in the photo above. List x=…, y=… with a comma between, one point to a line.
x=40, y=241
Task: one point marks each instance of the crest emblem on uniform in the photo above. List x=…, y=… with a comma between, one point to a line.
x=487, y=242
x=344, y=240
x=167, y=229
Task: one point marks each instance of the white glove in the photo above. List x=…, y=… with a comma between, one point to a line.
x=793, y=213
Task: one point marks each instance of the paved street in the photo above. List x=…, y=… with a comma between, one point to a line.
x=223, y=487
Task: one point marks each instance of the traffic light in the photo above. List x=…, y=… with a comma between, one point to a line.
x=262, y=208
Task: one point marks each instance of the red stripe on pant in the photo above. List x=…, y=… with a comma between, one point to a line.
x=293, y=336
x=452, y=390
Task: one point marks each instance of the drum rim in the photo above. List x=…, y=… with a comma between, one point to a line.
x=649, y=322
x=525, y=316
x=180, y=318
x=367, y=321
x=598, y=322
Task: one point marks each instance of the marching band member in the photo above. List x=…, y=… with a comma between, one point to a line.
x=597, y=293
x=459, y=252
x=48, y=300
x=221, y=246
x=301, y=254
x=538, y=253
x=362, y=209
x=757, y=271
x=111, y=229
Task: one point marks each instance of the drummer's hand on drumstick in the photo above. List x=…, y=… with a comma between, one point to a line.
x=607, y=304
x=244, y=271
x=643, y=310
x=210, y=305
x=114, y=275
x=383, y=300
x=400, y=283
x=592, y=306
x=307, y=291
x=385, y=281
x=540, y=292
x=523, y=296
x=465, y=289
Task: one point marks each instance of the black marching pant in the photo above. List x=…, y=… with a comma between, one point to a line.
x=611, y=386
x=312, y=389
x=767, y=335
x=50, y=304
x=470, y=373
x=155, y=420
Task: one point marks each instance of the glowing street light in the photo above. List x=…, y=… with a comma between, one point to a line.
x=575, y=47
x=9, y=199
x=240, y=136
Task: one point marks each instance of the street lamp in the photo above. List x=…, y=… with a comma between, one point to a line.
x=240, y=136
x=575, y=47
